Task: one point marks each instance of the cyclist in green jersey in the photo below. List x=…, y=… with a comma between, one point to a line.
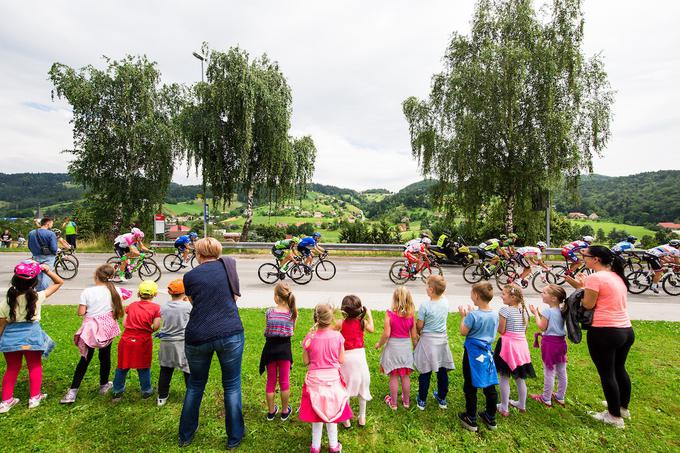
x=286, y=249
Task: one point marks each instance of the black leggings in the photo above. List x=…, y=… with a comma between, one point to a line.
x=164, y=379
x=471, y=393
x=104, y=366
x=608, y=347
x=442, y=384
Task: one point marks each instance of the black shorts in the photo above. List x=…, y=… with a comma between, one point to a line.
x=522, y=261
x=120, y=251
x=486, y=254
x=304, y=251
x=180, y=248
x=278, y=253
x=654, y=262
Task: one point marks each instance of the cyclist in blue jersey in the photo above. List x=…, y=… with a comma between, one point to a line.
x=628, y=244
x=185, y=243
x=309, y=243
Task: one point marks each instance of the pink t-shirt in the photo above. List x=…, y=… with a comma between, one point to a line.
x=611, y=309
x=323, y=349
x=400, y=327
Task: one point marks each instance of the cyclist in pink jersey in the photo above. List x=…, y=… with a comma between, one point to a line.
x=127, y=246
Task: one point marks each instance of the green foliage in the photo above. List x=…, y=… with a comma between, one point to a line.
x=360, y=233
x=269, y=233
x=600, y=236
x=22, y=192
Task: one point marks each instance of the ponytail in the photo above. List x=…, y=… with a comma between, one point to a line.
x=516, y=292
x=103, y=274
x=284, y=293
x=18, y=287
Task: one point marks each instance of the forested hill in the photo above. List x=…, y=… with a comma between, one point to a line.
x=20, y=193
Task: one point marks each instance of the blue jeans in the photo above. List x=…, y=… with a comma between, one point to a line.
x=442, y=384
x=230, y=354
x=43, y=279
x=121, y=376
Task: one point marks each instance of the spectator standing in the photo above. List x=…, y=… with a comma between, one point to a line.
x=43, y=245
x=6, y=239
x=70, y=232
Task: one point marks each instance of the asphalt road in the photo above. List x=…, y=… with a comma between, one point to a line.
x=365, y=277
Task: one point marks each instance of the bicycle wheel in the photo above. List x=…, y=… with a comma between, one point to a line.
x=269, y=273
x=172, y=262
x=74, y=258
x=542, y=279
x=325, y=269
x=639, y=282
x=558, y=271
x=506, y=276
x=66, y=268
x=300, y=273
x=113, y=260
x=473, y=273
x=149, y=270
x=671, y=284
x=399, y=273
x=192, y=261
x=435, y=269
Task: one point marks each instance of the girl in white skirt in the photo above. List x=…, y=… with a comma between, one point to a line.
x=357, y=319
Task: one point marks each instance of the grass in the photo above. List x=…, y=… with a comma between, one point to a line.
x=95, y=424
x=635, y=230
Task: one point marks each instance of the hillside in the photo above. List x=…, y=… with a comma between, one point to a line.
x=20, y=193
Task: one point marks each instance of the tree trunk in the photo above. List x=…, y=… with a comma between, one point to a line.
x=509, y=213
x=249, y=214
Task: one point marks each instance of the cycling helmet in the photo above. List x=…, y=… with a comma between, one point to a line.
x=136, y=232
x=675, y=243
x=631, y=239
x=295, y=239
x=541, y=245
x=588, y=239
x=27, y=269
x=316, y=234
x=192, y=235
x=56, y=231
x=502, y=237
x=424, y=235
x=426, y=240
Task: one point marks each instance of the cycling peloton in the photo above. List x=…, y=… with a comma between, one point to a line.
x=309, y=243
x=527, y=257
x=569, y=252
x=127, y=246
x=185, y=243
x=660, y=255
x=286, y=249
x=415, y=250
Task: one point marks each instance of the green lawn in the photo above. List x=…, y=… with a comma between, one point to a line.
x=635, y=230
x=96, y=424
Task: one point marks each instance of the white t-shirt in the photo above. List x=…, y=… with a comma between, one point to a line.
x=20, y=311
x=97, y=299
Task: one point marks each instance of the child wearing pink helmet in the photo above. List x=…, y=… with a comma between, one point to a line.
x=21, y=335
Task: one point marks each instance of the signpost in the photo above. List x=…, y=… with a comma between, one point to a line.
x=158, y=224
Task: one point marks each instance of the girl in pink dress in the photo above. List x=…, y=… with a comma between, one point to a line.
x=324, y=395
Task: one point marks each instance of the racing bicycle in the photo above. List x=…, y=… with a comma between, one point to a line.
x=402, y=271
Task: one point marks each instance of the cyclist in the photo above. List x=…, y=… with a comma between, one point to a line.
x=61, y=242
x=628, y=244
x=185, y=243
x=528, y=257
x=490, y=250
x=309, y=243
x=416, y=249
x=569, y=253
x=286, y=249
x=127, y=246
x=660, y=255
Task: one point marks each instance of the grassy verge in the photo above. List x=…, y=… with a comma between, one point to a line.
x=95, y=424
x=635, y=230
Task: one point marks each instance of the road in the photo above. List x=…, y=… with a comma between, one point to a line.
x=363, y=276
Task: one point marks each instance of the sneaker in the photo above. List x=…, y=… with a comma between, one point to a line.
x=539, y=398
x=467, y=422
x=272, y=415
x=501, y=411
x=70, y=397
x=488, y=421
x=440, y=401
x=337, y=449
x=286, y=415
x=35, y=401
x=6, y=405
x=104, y=389
x=406, y=404
x=314, y=450
x=654, y=289
x=122, y=278
x=609, y=419
x=390, y=403
x=515, y=404
x=559, y=401
x=116, y=396
x=625, y=413
x=161, y=401
x=147, y=395
x=420, y=404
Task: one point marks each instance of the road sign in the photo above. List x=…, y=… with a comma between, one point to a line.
x=159, y=224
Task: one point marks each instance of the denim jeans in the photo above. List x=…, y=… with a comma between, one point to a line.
x=43, y=279
x=230, y=354
x=121, y=376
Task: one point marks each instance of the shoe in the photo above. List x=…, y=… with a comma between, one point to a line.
x=6, y=405
x=609, y=419
x=654, y=289
x=501, y=411
x=347, y=424
x=161, y=401
x=539, y=398
x=440, y=401
x=515, y=404
x=272, y=415
x=560, y=402
x=420, y=403
x=361, y=422
x=104, y=389
x=467, y=422
x=35, y=401
x=70, y=397
x=488, y=421
x=147, y=395
x=390, y=403
x=286, y=415
x=337, y=449
x=116, y=397
x=122, y=278
x=406, y=405
x=625, y=413
x=314, y=450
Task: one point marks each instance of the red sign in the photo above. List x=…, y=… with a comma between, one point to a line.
x=159, y=217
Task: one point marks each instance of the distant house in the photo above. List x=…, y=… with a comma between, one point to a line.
x=593, y=216
x=351, y=219
x=332, y=213
x=176, y=231
x=318, y=215
x=232, y=237
x=405, y=219
x=577, y=215
x=304, y=214
x=282, y=225
x=669, y=225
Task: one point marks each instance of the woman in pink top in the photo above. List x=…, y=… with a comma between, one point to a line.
x=611, y=335
x=324, y=394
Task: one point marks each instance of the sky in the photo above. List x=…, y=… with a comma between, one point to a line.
x=350, y=65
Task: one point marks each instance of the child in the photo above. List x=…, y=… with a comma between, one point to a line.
x=277, y=356
x=175, y=315
x=135, y=347
x=432, y=353
x=553, y=345
x=512, y=350
x=324, y=395
x=479, y=372
x=399, y=335
x=355, y=372
x=100, y=305
x=20, y=332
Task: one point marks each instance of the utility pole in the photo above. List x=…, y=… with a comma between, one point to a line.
x=205, y=201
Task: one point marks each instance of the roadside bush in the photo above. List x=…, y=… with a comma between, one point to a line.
x=269, y=232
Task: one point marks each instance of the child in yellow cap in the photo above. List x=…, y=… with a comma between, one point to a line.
x=135, y=348
x=175, y=316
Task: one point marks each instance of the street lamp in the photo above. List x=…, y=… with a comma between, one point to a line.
x=205, y=201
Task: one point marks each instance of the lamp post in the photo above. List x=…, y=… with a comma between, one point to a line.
x=205, y=201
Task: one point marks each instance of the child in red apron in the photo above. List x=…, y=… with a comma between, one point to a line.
x=324, y=394
x=135, y=348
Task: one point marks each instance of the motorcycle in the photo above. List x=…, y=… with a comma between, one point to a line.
x=452, y=252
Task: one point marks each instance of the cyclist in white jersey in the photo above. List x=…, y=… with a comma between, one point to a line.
x=528, y=257
x=660, y=255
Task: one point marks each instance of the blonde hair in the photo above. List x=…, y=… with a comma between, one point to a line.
x=437, y=283
x=484, y=290
x=402, y=302
x=516, y=293
x=323, y=316
x=284, y=293
x=560, y=294
x=208, y=248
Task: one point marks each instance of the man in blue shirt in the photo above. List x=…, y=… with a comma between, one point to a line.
x=43, y=246
x=185, y=243
x=309, y=243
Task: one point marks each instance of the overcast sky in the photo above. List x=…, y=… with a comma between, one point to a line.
x=350, y=65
